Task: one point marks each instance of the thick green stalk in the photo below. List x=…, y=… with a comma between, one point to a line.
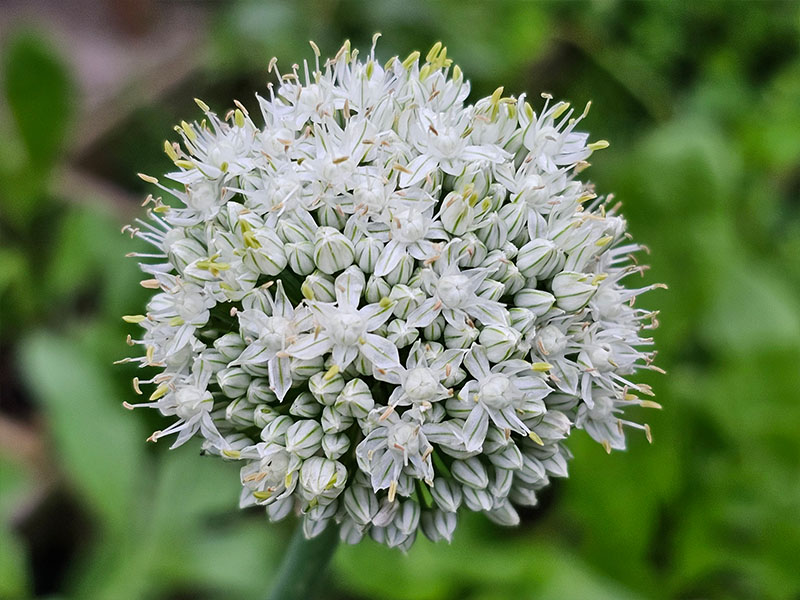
x=302, y=571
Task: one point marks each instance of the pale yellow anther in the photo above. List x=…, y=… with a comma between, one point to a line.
x=598, y=145
x=238, y=118
x=434, y=52
x=331, y=373
x=147, y=178
x=134, y=318
x=541, y=367
x=535, y=437
x=160, y=392
x=203, y=106
x=188, y=130
x=560, y=109
x=169, y=149
x=604, y=241
x=411, y=59
x=650, y=404
x=230, y=453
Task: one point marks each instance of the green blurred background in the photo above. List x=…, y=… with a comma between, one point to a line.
x=701, y=103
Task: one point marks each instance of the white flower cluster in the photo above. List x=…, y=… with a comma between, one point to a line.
x=386, y=303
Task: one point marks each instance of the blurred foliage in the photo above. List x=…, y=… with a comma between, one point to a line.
x=700, y=102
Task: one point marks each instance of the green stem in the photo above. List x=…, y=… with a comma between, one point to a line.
x=303, y=568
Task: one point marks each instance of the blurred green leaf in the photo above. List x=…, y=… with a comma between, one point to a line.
x=99, y=445
x=14, y=485
x=38, y=90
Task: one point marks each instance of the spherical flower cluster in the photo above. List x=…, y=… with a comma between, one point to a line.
x=385, y=303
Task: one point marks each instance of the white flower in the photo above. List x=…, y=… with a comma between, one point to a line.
x=501, y=394
x=346, y=331
x=412, y=301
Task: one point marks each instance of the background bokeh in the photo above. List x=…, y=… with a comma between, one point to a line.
x=701, y=102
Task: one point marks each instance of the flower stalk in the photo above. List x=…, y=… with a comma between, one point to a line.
x=302, y=571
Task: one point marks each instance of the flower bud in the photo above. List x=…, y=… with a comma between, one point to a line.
x=493, y=232
x=406, y=300
x=355, y=399
x=532, y=471
x=186, y=251
x=447, y=494
x=233, y=382
x=500, y=486
x=402, y=272
x=293, y=231
x=434, y=330
x=512, y=279
x=275, y=431
x=376, y=289
x=230, y=346
x=212, y=361
x=457, y=214
x=302, y=370
x=522, y=319
x=325, y=387
x=350, y=533
x=360, y=503
x=367, y=250
x=495, y=441
x=491, y=289
x=573, y=290
x=259, y=392
x=263, y=416
x=476, y=499
x=470, y=472
x=328, y=216
x=407, y=517
x=509, y=457
x=500, y=341
x=317, y=519
x=300, y=256
x=322, y=479
x=472, y=251
x=304, y=438
x=522, y=495
x=305, y=406
x=280, y=509
x=460, y=337
x=438, y=525
x=265, y=252
x=536, y=301
x=540, y=258
x=240, y=412
x=335, y=445
x=504, y=515
x=514, y=216
x=333, y=421
x=333, y=252
x=319, y=287
x=400, y=334
x=551, y=341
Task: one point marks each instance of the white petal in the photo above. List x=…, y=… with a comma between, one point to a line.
x=280, y=375
x=391, y=256
x=419, y=167
x=310, y=346
x=349, y=286
x=477, y=362
x=380, y=352
x=424, y=314
x=475, y=429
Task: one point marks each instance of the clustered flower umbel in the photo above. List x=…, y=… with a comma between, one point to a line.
x=386, y=304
